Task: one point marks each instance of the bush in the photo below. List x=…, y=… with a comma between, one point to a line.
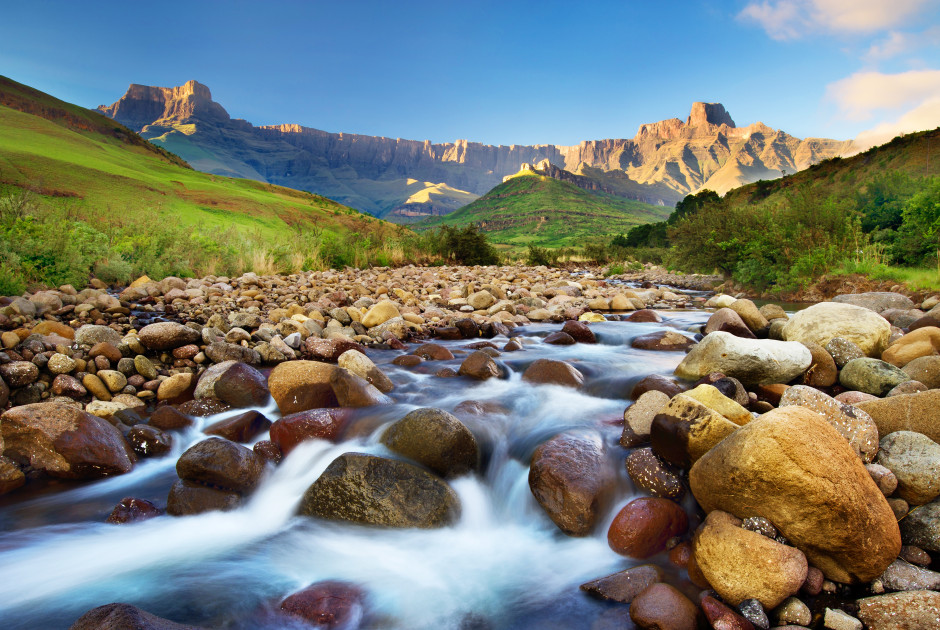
x=543, y=256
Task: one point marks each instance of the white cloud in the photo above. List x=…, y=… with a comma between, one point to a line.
x=860, y=95
x=898, y=43
x=790, y=19
x=924, y=116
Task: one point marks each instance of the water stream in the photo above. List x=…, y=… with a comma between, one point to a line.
x=503, y=565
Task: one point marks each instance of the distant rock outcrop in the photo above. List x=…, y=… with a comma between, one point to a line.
x=661, y=164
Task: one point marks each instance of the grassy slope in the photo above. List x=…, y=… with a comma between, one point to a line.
x=531, y=209
x=61, y=150
x=843, y=177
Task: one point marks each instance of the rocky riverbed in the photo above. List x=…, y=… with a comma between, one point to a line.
x=463, y=448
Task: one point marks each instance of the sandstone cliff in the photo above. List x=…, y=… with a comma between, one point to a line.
x=661, y=164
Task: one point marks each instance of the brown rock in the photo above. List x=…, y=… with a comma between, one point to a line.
x=167, y=335
x=741, y=564
x=925, y=370
x=643, y=526
x=433, y=352
x=131, y=510
x=328, y=349
x=911, y=412
x=479, y=365
x=852, y=423
x=685, y=429
x=327, y=605
x=64, y=441
x=750, y=314
x=656, y=382
x=149, y=441
x=221, y=464
x=107, y=350
x=235, y=383
x=579, y=331
x=241, y=428
x=11, y=477
x=323, y=424
x=663, y=607
x=663, y=340
x=822, y=371
x=794, y=469
x=572, y=480
x=922, y=342
x=722, y=617
x=551, y=372
x=910, y=610
x=559, y=338
x=436, y=439
x=624, y=586
x=726, y=320
x=302, y=385
x=354, y=391
x=168, y=418
x=648, y=472
x=187, y=497
x=645, y=315
x=124, y=616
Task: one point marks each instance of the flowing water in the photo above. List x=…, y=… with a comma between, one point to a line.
x=503, y=565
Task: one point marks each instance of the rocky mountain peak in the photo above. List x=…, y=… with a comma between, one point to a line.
x=709, y=114
x=144, y=105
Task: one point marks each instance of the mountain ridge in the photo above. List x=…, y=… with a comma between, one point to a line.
x=660, y=164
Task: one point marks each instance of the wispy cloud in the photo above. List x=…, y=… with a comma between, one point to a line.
x=791, y=19
x=862, y=94
x=900, y=43
x=924, y=116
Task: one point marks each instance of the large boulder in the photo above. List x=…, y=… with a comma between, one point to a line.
x=741, y=564
x=877, y=301
x=436, y=439
x=855, y=425
x=795, y=469
x=822, y=322
x=64, y=441
x=374, y=490
x=167, y=335
x=918, y=412
x=751, y=361
x=302, y=385
x=572, y=480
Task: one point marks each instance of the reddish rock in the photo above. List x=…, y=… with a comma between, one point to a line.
x=131, y=510
x=645, y=315
x=149, y=441
x=200, y=408
x=656, y=382
x=433, y=352
x=222, y=464
x=680, y=554
x=323, y=424
x=642, y=528
x=624, y=586
x=559, y=338
x=107, y=350
x=240, y=385
x=551, y=372
x=124, y=617
x=64, y=441
x=268, y=451
x=663, y=607
x=328, y=349
x=302, y=385
x=479, y=365
x=188, y=498
x=721, y=616
x=572, y=481
x=67, y=385
x=726, y=320
x=662, y=341
x=241, y=428
x=407, y=360
x=169, y=418
x=449, y=332
x=329, y=604
x=352, y=390
x=579, y=331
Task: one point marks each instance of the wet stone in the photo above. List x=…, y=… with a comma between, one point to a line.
x=624, y=586
x=649, y=472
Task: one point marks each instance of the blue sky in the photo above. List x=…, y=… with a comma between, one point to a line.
x=499, y=72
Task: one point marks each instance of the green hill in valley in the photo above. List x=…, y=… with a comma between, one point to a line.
x=533, y=209
x=121, y=204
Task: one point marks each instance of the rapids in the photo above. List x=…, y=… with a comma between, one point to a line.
x=503, y=565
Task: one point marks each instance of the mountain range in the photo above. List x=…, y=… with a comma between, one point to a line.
x=404, y=180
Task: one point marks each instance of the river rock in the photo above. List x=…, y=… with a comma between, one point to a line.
x=479, y=365
x=169, y=418
x=302, y=385
x=685, y=429
x=124, y=616
x=624, y=586
x=133, y=510
x=741, y=564
x=89, y=335
x=648, y=472
x=656, y=382
x=481, y=300
x=726, y=320
x=910, y=610
x=579, y=331
x=331, y=350
x=19, y=373
x=436, y=439
x=552, y=372
x=380, y=313
x=872, y=376
x=876, y=301
x=174, y=386
x=219, y=352
x=235, y=383
x=822, y=371
x=358, y=363
x=352, y=390
x=64, y=441
x=167, y=335
x=793, y=468
x=645, y=315
x=11, y=477
x=571, y=479
x=330, y=605
x=751, y=361
x=822, y=322
x=713, y=398
x=323, y=424
x=910, y=412
x=904, y=576
x=750, y=314
x=662, y=607
x=433, y=352
x=144, y=367
x=241, y=428
x=148, y=441
x=922, y=342
x=921, y=527
x=855, y=425
x=638, y=417
x=187, y=498
x=663, y=340
x=222, y=464
x=643, y=527
x=915, y=461
x=378, y=491
x=883, y=478
x=720, y=616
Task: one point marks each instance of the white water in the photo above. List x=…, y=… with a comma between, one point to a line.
x=504, y=560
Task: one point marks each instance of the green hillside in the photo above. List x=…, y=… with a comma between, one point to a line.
x=532, y=209
x=100, y=182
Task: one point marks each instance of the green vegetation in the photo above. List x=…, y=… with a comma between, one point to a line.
x=466, y=246
x=533, y=210
x=81, y=194
x=866, y=214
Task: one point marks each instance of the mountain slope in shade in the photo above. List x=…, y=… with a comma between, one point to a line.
x=547, y=206
x=661, y=164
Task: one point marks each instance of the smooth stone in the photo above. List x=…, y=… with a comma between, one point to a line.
x=751, y=361
x=877, y=301
x=751, y=315
x=921, y=527
x=167, y=335
x=795, y=469
x=643, y=527
x=19, y=373
x=148, y=441
x=241, y=428
x=925, y=370
x=721, y=616
x=624, y=586
x=436, y=439
x=235, y=383
x=352, y=390
x=322, y=424
x=132, y=510
x=648, y=472
x=922, y=342
x=711, y=397
x=221, y=464
x=187, y=498
x=821, y=322
x=168, y=418
x=90, y=335
x=855, y=425
x=580, y=331
x=904, y=576
x=726, y=320
x=175, y=386
x=302, y=385
x=479, y=365
x=358, y=363
x=144, y=367
x=664, y=341
x=685, y=429
x=329, y=605
x=552, y=372
x=661, y=607
x=380, y=313
x=911, y=412
x=872, y=376
x=915, y=461
x=639, y=416
x=822, y=371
